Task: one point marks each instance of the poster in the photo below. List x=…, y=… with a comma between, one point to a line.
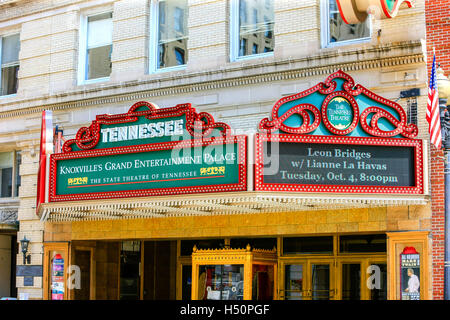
x=410, y=274
x=57, y=277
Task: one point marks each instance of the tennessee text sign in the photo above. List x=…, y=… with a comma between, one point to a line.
x=338, y=164
x=198, y=163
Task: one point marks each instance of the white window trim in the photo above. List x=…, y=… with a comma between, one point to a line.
x=14, y=196
x=325, y=27
x=153, y=43
x=7, y=95
x=234, y=36
x=82, y=51
x=12, y=64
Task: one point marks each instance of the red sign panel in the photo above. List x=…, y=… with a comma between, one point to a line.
x=305, y=163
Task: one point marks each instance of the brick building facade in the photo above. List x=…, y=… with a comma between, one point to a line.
x=438, y=31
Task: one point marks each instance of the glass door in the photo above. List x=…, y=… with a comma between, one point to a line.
x=377, y=282
x=186, y=281
x=350, y=280
x=321, y=280
x=361, y=279
x=130, y=273
x=83, y=259
x=308, y=280
x=294, y=288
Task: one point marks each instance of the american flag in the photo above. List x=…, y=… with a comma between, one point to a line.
x=433, y=109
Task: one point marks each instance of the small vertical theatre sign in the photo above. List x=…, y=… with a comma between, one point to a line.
x=410, y=274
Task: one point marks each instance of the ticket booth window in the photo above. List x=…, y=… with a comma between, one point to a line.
x=233, y=274
x=221, y=282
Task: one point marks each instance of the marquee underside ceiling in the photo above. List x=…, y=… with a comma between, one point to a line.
x=216, y=204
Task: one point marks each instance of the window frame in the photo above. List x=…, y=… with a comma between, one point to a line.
x=325, y=29
x=14, y=176
x=235, y=39
x=9, y=64
x=83, y=47
x=154, y=39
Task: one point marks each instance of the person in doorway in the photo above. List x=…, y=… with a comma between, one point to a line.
x=413, y=282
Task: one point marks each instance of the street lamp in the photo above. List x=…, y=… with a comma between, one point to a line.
x=25, y=242
x=443, y=85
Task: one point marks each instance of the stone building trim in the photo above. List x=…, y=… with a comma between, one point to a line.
x=8, y=216
x=184, y=87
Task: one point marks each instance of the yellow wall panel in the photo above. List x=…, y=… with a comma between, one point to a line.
x=245, y=225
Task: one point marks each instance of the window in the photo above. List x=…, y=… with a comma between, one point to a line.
x=411, y=104
x=224, y=282
x=179, y=55
x=268, y=28
x=243, y=11
x=188, y=245
x=169, y=49
x=255, y=49
x=9, y=52
x=9, y=174
x=178, y=20
x=256, y=243
x=302, y=245
x=362, y=243
x=255, y=16
x=251, y=28
x=336, y=31
x=96, y=39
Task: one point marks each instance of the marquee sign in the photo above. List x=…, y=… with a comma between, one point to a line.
x=338, y=164
x=356, y=11
x=149, y=151
x=338, y=137
x=364, y=113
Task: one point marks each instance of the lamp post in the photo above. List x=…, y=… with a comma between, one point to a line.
x=26, y=258
x=443, y=85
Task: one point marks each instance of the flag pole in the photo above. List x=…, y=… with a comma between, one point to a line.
x=438, y=118
x=445, y=144
x=445, y=132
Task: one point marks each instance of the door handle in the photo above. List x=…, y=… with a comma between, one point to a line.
x=333, y=292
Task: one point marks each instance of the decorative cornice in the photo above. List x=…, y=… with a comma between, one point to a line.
x=212, y=253
x=4, y=2
x=190, y=85
x=216, y=204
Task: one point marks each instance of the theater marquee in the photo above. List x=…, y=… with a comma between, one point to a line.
x=149, y=151
x=338, y=137
x=334, y=137
x=338, y=164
